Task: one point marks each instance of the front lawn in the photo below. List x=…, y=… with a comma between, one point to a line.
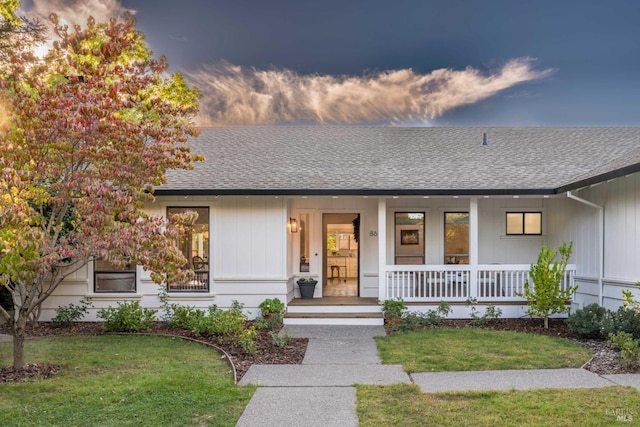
x=472, y=349
x=123, y=380
x=404, y=405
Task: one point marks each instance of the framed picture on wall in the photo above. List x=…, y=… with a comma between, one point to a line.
x=409, y=237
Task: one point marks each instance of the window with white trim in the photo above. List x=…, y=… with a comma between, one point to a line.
x=456, y=237
x=195, y=248
x=107, y=278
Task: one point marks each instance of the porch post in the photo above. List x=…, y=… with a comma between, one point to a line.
x=382, y=247
x=473, y=247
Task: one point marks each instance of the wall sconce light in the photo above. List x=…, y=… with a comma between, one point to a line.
x=293, y=225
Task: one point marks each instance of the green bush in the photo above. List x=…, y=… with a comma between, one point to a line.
x=621, y=320
x=272, y=306
x=127, y=317
x=490, y=313
x=270, y=324
x=629, y=348
x=219, y=322
x=184, y=317
x=393, y=310
x=413, y=321
x=72, y=312
x=587, y=322
x=280, y=341
x=272, y=312
x=247, y=340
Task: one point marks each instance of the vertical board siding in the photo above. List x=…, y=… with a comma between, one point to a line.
x=622, y=207
x=251, y=238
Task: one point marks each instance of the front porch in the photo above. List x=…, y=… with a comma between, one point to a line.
x=425, y=250
x=488, y=284
x=423, y=287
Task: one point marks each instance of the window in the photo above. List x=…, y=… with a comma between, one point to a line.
x=195, y=248
x=409, y=237
x=107, y=278
x=305, y=237
x=524, y=223
x=456, y=238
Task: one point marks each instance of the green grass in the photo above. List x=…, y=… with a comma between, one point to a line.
x=472, y=349
x=123, y=380
x=404, y=405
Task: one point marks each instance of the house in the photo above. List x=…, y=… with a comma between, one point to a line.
x=425, y=214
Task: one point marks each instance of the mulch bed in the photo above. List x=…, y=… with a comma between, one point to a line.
x=268, y=353
x=604, y=359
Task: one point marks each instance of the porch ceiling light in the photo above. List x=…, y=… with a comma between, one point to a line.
x=293, y=225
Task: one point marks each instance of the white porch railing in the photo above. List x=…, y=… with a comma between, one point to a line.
x=452, y=283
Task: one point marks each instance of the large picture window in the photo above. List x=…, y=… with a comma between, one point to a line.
x=195, y=248
x=456, y=238
x=524, y=223
x=107, y=278
x=409, y=237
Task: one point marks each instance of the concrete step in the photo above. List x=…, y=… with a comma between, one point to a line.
x=334, y=318
x=334, y=309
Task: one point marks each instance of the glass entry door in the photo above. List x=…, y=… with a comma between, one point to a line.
x=340, y=255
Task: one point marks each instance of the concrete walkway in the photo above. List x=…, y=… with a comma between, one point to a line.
x=320, y=391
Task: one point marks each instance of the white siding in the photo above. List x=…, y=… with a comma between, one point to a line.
x=621, y=200
x=249, y=238
x=495, y=247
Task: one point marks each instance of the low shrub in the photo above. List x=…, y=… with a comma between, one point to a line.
x=629, y=348
x=67, y=314
x=270, y=324
x=412, y=321
x=184, y=317
x=272, y=307
x=247, y=340
x=280, y=341
x=219, y=322
x=490, y=313
x=587, y=322
x=621, y=320
x=393, y=310
x=127, y=317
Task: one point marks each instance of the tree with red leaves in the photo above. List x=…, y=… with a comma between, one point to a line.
x=87, y=133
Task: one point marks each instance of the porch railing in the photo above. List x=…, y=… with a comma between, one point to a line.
x=453, y=283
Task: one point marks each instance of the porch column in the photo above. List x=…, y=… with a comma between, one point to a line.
x=382, y=247
x=473, y=247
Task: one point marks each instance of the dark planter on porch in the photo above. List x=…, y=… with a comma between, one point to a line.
x=307, y=287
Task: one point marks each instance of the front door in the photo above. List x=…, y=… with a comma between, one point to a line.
x=341, y=255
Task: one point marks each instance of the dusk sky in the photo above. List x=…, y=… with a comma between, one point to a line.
x=400, y=62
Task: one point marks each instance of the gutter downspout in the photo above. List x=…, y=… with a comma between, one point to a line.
x=601, y=233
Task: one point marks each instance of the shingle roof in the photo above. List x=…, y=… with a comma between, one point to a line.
x=396, y=160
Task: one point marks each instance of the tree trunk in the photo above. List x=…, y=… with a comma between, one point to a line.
x=18, y=347
x=546, y=323
x=18, y=330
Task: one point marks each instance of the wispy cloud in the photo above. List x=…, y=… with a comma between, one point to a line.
x=234, y=95
x=74, y=12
